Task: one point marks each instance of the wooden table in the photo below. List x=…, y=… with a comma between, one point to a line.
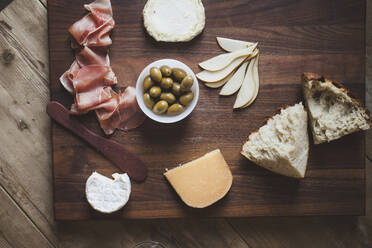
x=26, y=213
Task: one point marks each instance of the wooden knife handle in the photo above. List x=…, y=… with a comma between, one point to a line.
x=113, y=151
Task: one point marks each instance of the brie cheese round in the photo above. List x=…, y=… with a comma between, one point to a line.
x=174, y=20
x=106, y=195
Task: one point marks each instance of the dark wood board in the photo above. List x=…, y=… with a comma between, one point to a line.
x=323, y=36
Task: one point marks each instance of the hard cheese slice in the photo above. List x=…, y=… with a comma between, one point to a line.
x=202, y=182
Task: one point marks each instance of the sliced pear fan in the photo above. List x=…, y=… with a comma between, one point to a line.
x=219, y=83
x=249, y=90
x=236, y=71
x=231, y=45
x=222, y=61
x=235, y=82
x=215, y=76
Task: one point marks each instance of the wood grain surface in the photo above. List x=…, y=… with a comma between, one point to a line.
x=25, y=168
x=326, y=37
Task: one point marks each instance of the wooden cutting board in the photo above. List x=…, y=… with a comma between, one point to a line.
x=323, y=36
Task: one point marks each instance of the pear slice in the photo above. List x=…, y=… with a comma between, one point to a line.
x=223, y=60
x=215, y=76
x=233, y=85
x=256, y=88
x=219, y=83
x=249, y=90
x=257, y=81
x=231, y=45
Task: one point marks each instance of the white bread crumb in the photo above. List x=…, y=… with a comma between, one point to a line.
x=282, y=144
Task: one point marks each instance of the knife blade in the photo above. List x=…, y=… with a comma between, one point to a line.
x=113, y=151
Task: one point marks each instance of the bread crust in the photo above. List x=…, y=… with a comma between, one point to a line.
x=285, y=106
x=297, y=175
x=310, y=76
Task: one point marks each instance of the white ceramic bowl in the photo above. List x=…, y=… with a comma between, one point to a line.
x=164, y=118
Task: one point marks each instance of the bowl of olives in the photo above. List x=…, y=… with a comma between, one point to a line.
x=167, y=91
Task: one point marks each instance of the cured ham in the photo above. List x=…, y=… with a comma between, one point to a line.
x=92, y=56
x=124, y=114
x=87, y=32
x=67, y=77
x=94, y=28
x=101, y=9
x=87, y=100
x=93, y=76
x=90, y=76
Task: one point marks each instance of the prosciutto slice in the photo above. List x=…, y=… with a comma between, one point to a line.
x=67, y=77
x=100, y=9
x=93, y=76
x=91, y=86
x=126, y=115
x=94, y=28
x=92, y=56
x=89, y=99
x=90, y=76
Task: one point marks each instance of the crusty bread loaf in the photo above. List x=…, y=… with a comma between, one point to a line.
x=332, y=110
x=282, y=144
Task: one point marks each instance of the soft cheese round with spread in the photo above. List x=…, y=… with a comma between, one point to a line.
x=106, y=195
x=174, y=20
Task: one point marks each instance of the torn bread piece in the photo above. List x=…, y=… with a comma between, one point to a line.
x=282, y=144
x=333, y=112
x=106, y=195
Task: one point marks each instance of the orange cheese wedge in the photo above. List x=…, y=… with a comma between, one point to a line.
x=201, y=182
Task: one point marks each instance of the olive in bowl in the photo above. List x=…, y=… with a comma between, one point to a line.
x=160, y=97
x=171, y=97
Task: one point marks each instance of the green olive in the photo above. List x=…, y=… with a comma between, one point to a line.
x=179, y=74
x=186, y=98
x=187, y=83
x=148, y=100
x=166, y=71
x=169, y=97
x=155, y=74
x=160, y=107
x=176, y=89
x=166, y=83
x=147, y=83
x=175, y=109
x=155, y=91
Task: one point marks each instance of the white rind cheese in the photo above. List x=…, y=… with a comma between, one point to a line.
x=106, y=195
x=174, y=20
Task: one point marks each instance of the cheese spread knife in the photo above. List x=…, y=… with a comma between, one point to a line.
x=113, y=151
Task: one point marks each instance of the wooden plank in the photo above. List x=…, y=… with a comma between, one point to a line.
x=206, y=233
x=3, y=242
x=300, y=232
x=321, y=36
x=365, y=223
x=91, y=233
x=4, y=3
x=25, y=170
x=16, y=228
x=44, y=3
x=369, y=76
x=172, y=233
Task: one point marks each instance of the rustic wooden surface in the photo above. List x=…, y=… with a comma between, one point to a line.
x=334, y=184
x=26, y=180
